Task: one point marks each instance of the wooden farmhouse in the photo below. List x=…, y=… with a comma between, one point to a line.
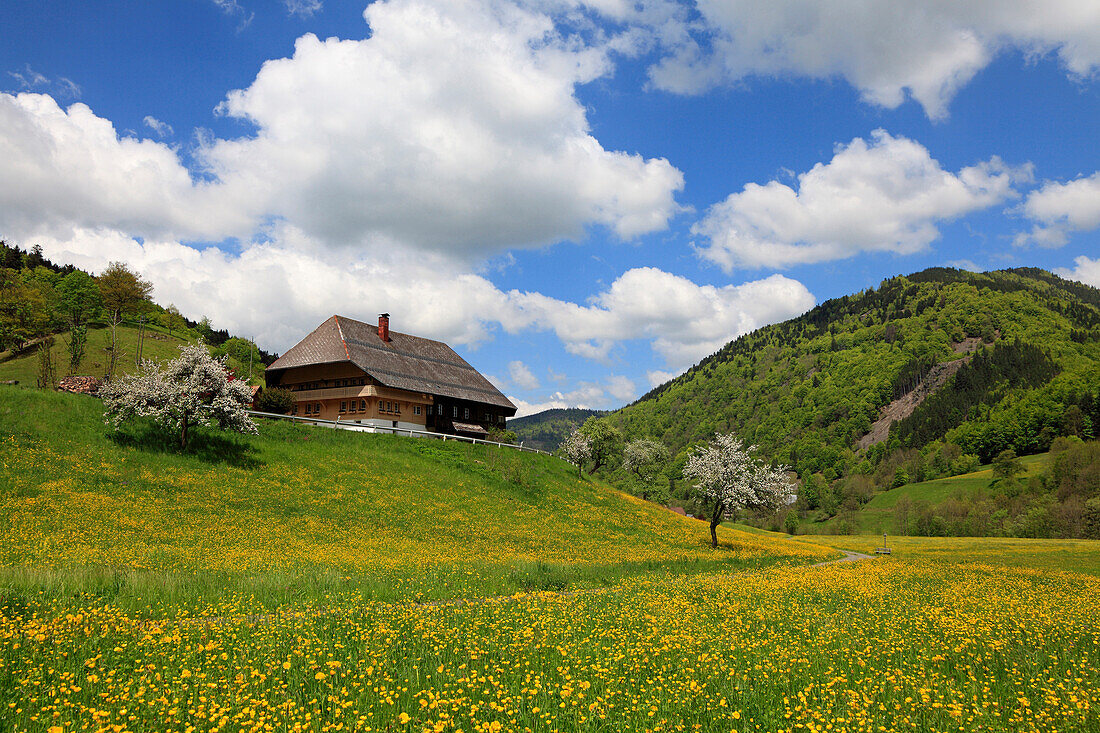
x=365, y=374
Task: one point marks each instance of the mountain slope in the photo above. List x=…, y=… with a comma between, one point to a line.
x=547, y=429
x=809, y=389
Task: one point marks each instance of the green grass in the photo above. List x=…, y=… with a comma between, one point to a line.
x=299, y=580
x=299, y=511
x=877, y=515
x=159, y=346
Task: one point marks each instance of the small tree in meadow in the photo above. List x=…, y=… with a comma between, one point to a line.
x=577, y=449
x=645, y=459
x=275, y=400
x=192, y=389
x=729, y=477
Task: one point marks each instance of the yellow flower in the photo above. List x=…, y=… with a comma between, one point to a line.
x=403, y=718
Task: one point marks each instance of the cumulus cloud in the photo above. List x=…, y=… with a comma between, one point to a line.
x=1061, y=208
x=886, y=194
x=521, y=376
x=68, y=168
x=684, y=321
x=1087, y=270
x=887, y=50
x=452, y=127
x=162, y=129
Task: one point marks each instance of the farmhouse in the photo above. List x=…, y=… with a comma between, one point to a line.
x=359, y=373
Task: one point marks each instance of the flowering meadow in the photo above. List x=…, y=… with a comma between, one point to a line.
x=306, y=580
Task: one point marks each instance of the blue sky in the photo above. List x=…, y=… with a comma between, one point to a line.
x=584, y=198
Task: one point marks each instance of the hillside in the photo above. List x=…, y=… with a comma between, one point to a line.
x=300, y=505
x=809, y=390
x=158, y=346
x=547, y=429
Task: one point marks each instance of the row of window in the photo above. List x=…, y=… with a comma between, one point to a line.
x=325, y=384
x=392, y=408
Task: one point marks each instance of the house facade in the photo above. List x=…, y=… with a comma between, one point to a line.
x=361, y=373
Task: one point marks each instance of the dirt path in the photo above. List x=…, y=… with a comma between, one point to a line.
x=849, y=556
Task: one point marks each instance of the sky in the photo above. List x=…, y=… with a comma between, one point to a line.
x=582, y=197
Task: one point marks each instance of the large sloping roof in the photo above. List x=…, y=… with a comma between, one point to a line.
x=404, y=362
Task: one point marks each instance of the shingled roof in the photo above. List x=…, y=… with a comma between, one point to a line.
x=404, y=362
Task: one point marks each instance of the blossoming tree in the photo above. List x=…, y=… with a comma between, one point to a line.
x=577, y=449
x=731, y=478
x=192, y=389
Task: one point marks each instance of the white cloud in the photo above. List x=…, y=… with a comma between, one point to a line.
x=31, y=80
x=453, y=127
x=303, y=8
x=884, y=195
x=234, y=8
x=66, y=169
x=1061, y=208
x=658, y=377
x=1087, y=271
x=887, y=50
x=521, y=376
x=968, y=265
x=684, y=321
x=621, y=388
x=162, y=129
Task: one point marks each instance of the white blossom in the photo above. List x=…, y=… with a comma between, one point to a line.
x=192, y=389
x=728, y=475
x=577, y=448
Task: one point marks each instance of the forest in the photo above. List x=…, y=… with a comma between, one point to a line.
x=51, y=311
x=807, y=390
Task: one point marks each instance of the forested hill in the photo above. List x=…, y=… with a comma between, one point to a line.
x=547, y=429
x=809, y=389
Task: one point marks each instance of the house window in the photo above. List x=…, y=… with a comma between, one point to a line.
x=343, y=407
x=454, y=411
x=396, y=408
x=416, y=409
x=294, y=410
x=309, y=409
x=317, y=408
x=466, y=413
x=362, y=405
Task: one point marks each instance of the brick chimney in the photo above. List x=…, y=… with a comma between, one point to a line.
x=384, y=326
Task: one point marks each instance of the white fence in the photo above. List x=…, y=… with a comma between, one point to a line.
x=360, y=428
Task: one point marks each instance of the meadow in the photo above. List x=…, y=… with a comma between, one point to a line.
x=308, y=579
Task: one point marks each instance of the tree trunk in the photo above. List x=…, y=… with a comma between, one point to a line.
x=183, y=433
x=715, y=520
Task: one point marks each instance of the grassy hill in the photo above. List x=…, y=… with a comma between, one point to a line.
x=305, y=508
x=880, y=514
x=159, y=345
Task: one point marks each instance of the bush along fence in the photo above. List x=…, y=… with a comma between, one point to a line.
x=337, y=424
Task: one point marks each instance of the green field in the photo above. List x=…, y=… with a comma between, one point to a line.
x=311, y=579
x=877, y=515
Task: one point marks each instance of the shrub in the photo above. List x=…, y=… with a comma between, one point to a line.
x=275, y=400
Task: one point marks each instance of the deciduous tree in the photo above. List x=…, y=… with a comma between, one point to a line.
x=123, y=293
x=192, y=389
x=646, y=459
x=729, y=477
x=577, y=449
